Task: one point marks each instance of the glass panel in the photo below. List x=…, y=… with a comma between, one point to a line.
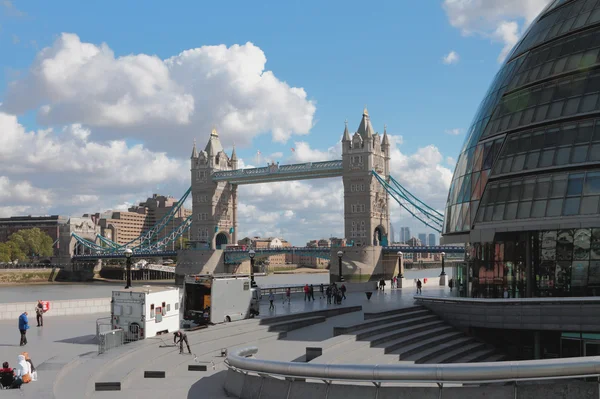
x=539, y=209
x=581, y=244
x=498, y=212
x=562, y=156
x=579, y=154
x=592, y=183
x=564, y=245
x=554, y=207
x=524, y=209
x=589, y=205
x=511, y=211
x=571, y=206
x=579, y=272
x=532, y=160
x=575, y=185
x=515, y=191
x=589, y=102
x=594, y=273
x=518, y=163
x=542, y=188
x=559, y=186
x=528, y=186
x=547, y=158
x=595, y=250
x=594, y=153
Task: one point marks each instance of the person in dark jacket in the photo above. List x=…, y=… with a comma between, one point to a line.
x=343, y=291
x=7, y=376
x=182, y=338
x=328, y=293
x=39, y=314
x=23, y=327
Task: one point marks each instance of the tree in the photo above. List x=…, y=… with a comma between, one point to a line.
x=30, y=243
x=182, y=243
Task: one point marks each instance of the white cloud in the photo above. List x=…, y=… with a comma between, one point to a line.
x=144, y=96
x=19, y=192
x=11, y=10
x=454, y=132
x=502, y=21
x=451, y=58
x=451, y=162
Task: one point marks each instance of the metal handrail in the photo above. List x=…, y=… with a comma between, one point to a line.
x=457, y=373
x=508, y=301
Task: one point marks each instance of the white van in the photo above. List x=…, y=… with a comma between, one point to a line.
x=144, y=312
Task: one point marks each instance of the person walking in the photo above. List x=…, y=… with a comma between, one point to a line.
x=451, y=284
x=288, y=295
x=419, y=285
x=23, y=327
x=271, y=299
x=312, y=292
x=306, y=292
x=39, y=313
x=328, y=294
x=321, y=290
x=179, y=337
x=343, y=291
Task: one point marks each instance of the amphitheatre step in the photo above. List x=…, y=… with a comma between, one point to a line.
x=481, y=355
x=450, y=356
x=397, y=340
x=407, y=350
x=499, y=357
x=416, y=321
x=376, y=315
x=379, y=321
x=435, y=350
x=336, y=311
x=295, y=324
x=331, y=354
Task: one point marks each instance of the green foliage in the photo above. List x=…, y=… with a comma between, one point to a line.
x=182, y=243
x=25, y=244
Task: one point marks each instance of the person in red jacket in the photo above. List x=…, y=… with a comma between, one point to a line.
x=306, y=292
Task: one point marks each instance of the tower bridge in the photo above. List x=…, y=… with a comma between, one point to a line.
x=368, y=187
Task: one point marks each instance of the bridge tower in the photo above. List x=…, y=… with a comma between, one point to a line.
x=366, y=203
x=214, y=205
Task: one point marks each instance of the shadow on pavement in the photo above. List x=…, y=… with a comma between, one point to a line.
x=81, y=340
x=209, y=387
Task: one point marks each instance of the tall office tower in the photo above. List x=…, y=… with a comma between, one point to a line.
x=423, y=238
x=431, y=240
x=392, y=233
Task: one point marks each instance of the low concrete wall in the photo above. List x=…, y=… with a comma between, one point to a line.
x=550, y=314
x=57, y=308
x=239, y=385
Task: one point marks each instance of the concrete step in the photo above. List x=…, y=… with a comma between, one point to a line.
x=386, y=313
x=450, y=356
x=414, y=331
x=290, y=325
x=379, y=321
x=396, y=341
x=334, y=311
x=365, y=334
x=407, y=350
x=477, y=356
x=436, y=350
x=331, y=354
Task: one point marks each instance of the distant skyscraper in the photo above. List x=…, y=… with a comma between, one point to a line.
x=423, y=238
x=392, y=238
x=404, y=234
x=431, y=240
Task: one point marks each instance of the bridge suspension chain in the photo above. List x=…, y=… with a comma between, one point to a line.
x=417, y=208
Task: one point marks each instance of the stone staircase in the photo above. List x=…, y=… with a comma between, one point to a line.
x=412, y=334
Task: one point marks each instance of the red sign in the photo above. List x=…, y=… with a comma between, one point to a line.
x=46, y=306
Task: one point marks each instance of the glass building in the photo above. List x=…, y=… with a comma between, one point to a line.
x=525, y=193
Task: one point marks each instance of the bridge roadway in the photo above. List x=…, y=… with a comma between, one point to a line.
x=64, y=351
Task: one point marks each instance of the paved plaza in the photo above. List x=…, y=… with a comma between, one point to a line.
x=65, y=350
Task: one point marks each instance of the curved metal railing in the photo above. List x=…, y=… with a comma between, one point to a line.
x=458, y=373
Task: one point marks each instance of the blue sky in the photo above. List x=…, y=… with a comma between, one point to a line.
x=387, y=55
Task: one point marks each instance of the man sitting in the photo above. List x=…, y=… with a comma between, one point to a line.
x=7, y=376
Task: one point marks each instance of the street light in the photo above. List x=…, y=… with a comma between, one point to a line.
x=128, y=254
x=400, y=269
x=443, y=272
x=251, y=253
x=340, y=254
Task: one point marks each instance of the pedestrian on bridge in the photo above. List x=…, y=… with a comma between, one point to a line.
x=39, y=313
x=322, y=295
x=306, y=292
x=271, y=299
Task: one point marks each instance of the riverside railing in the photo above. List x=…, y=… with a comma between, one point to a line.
x=458, y=373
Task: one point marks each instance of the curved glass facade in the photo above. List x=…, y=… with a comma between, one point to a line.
x=526, y=188
x=539, y=115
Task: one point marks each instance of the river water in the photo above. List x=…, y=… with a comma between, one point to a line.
x=62, y=291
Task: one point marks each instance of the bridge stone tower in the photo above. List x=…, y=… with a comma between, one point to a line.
x=366, y=203
x=214, y=204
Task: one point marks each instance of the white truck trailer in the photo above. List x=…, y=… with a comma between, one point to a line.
x=218, y=298
x=144, y=312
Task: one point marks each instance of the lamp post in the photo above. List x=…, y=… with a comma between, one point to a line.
x=400, y=268
x=443, y=271
x=340, y=254
x=128, y=254
x=251, y=253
